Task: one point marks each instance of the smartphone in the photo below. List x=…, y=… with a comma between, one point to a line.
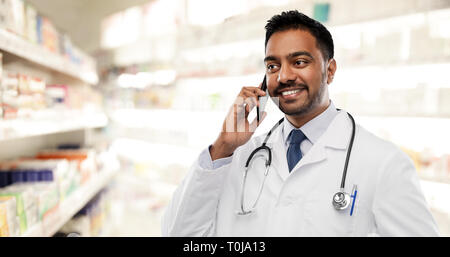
x=262, y=101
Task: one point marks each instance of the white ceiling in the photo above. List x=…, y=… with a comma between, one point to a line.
x=81, y=19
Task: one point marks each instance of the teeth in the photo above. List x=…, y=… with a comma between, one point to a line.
x=290, y=92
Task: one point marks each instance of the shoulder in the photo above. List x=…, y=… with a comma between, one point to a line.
x=379, y=152
x=377, y=145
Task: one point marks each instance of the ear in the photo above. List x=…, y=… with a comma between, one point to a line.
x=331, y=70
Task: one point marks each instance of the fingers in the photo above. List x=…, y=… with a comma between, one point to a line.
x=246, y=101
x=250, y=103
x=254, y=125
x=254, y=90
x=251, y=93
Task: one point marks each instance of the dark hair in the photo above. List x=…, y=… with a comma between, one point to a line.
x=297, y=20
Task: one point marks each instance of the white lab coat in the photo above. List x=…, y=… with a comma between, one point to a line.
x=389, y=200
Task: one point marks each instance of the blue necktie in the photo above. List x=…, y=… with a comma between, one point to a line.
x=293, y=153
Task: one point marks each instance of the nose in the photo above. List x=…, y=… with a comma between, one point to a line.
x=286, y=75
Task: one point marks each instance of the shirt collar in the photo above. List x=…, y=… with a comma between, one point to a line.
x=314, y=128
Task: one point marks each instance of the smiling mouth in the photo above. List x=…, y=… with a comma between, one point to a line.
x=292, y=94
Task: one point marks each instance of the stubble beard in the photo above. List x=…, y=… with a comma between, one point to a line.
x=312, y=102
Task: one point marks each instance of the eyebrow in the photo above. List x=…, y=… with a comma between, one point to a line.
x=289, y=56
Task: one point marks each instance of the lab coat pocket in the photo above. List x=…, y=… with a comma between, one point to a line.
x=363, y=222
x=322, y=219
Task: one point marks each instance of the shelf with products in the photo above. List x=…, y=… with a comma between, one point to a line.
x=50, y=122
x=39, y=194
x=401, y=40
x=251, y=21
x=31, y=106
x=370, y=38
x=396, y=39
x=46, y=100
x=16, y=45
x=30, y=35
x=70, y=206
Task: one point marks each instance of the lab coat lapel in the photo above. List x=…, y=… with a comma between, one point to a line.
x=336, y=136
x=316, y=154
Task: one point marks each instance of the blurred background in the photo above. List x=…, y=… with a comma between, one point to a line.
x=105, y=104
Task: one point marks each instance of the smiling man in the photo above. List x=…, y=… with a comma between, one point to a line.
x=316, y=173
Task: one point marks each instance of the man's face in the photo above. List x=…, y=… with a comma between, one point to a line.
x=296, y=72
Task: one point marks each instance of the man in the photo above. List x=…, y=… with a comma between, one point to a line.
x=309, y=150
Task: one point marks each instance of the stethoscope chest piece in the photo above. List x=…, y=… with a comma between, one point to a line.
x=341, y=200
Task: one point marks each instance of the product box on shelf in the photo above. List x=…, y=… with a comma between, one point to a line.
x=22, y=94
x=84, y=158
x=63, y=173
x=9, y=225
x=10, y=94
x=39, y=34
x=66, y=47
x=30, y=85
x=4, y=13
x=45, y=199
x=50, y=182
x=57, y=96
x=4, y=228
x=74, y=98
x=31, y=95
x=30, y=30
x=77, y=56
x=12, y=16
x=24, y=175
x=25, y=204
x=49, y=35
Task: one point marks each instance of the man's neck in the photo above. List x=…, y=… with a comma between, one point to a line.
x=299, y=120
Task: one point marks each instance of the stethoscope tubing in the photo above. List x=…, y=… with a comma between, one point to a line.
x=350, y=146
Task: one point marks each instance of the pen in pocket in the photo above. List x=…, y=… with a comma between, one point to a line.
x=353, y=196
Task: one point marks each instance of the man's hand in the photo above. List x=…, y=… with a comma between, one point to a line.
x=236, y=129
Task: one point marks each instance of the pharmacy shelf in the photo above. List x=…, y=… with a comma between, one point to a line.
x=18, y=46
x=51, y=122
x=69, y=207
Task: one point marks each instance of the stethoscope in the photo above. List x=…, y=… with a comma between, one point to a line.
x=341, y=199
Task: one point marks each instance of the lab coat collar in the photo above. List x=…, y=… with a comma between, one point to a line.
x=336, y=136
x=338, y=133
x=315, y=128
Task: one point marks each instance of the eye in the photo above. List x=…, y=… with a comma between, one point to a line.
x=300, y=62
x=272, y=67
